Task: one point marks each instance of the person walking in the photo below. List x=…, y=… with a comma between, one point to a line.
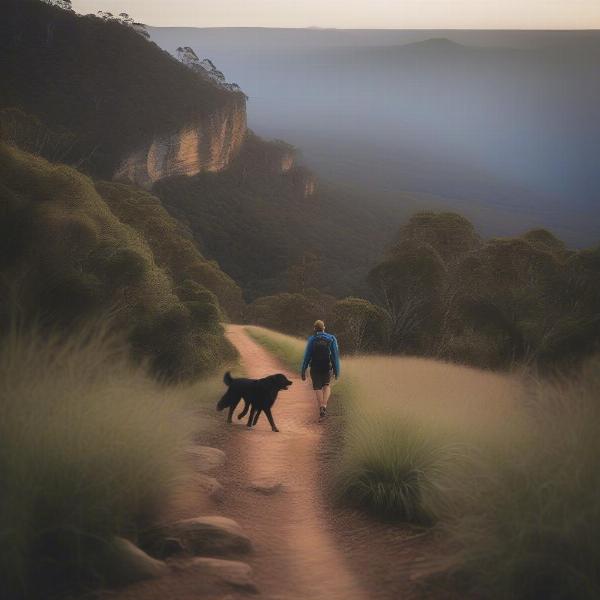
x=323, y=356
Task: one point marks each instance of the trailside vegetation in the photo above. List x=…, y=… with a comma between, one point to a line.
x=92, y=448
x=67, y=258
x=442, y=291
x=505, y=466
x=491, y=303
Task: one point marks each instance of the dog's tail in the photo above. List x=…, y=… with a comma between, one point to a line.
x=225, y=401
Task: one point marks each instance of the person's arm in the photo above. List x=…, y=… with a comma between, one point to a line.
x=307, y=357
x=335, y=357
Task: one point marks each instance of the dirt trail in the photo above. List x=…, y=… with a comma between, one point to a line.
x=296, y=556
x=304, y=549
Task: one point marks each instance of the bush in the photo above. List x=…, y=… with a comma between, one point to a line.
x=360, y=326
x=68, y=258
x=412, y=428
x=172, y=250
x=90, y=447
x=526, y=300
x=409, y=285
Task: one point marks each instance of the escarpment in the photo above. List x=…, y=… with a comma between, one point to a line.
x=152, y=118
x=206, y=144
x=274, y=160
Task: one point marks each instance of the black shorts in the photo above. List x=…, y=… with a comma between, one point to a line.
x=320, y=378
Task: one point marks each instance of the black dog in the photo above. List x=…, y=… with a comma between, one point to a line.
x=259, y=395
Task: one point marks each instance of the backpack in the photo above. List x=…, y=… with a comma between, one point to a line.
x=321, y=353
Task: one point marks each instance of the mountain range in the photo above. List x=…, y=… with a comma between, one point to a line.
x=499, y=125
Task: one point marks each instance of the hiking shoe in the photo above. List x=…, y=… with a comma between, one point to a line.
x=322, y=412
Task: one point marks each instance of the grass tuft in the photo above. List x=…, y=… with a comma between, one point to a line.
x=90, y=447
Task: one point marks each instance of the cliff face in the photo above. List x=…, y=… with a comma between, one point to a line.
x=207, y=145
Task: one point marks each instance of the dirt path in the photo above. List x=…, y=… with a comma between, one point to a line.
x=275, y=488
x=296, y=556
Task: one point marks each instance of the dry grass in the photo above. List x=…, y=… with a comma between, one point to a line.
x=414, y=427
x=506, y=465
x=90, y=447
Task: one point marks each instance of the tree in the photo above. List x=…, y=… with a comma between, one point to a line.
x=409, y=287
x=360, y=326
x=449, y=234
x=62, y=4
x=511, y=293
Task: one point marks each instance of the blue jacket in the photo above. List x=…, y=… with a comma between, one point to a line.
x=334, y=352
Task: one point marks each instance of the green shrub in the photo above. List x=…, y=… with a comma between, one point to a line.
x=494, y=303
x=68, y=258
x=360, y=326
x=170, y=246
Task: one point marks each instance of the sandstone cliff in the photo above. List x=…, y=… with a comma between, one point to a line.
x=206, y=145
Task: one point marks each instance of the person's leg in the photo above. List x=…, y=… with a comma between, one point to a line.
x=326, y=393
x=319, y=397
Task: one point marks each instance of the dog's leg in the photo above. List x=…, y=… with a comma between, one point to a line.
x=256, y=417
x=231, y=409
x=251, y=417
x=245, y=411
x=270, y=417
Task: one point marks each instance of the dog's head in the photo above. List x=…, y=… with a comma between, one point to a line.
x=280, y=381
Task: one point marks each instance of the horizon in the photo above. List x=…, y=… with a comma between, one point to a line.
x=528, y=15
x=315, y=28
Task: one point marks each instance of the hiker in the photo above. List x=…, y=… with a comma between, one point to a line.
x=323, y=356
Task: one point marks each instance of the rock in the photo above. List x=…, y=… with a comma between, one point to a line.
x=123, y=563
x=205, y=144
x=212, y=535
x=210, y=486
x=207, y=459
x=164, y=547
x=235, y=573
x=267, y=487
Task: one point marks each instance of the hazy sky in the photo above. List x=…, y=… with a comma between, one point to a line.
x=358, y=14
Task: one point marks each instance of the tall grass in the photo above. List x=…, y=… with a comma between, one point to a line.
x=90, y=447
x=507, y=466
x=536, y=532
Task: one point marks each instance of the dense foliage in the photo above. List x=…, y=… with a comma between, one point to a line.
x=441, y=290
x=490, y=303
x=67, y=258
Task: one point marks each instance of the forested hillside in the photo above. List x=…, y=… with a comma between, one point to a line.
x=269, y=235
x=97, y=95
x=68, y=259
x=100, y=81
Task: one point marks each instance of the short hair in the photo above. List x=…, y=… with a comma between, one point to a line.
x=319, y=325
